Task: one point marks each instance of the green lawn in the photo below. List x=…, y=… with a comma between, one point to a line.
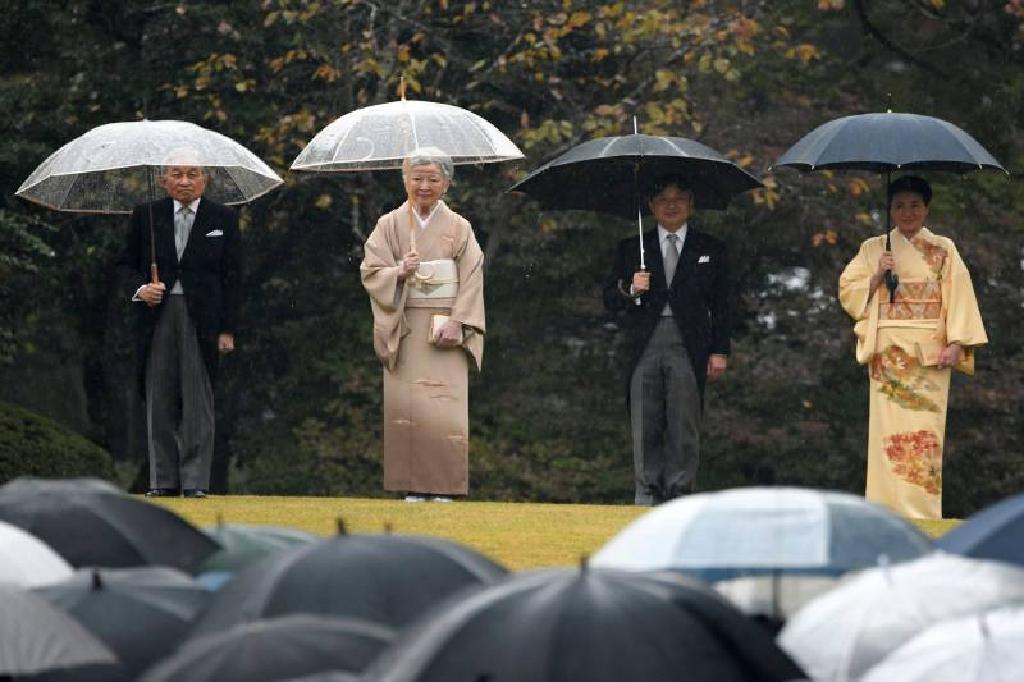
x=517, y=535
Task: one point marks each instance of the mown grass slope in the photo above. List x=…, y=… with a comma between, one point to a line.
x=517, y=535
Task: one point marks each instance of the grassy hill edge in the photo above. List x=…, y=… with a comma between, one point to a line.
x=517, y=535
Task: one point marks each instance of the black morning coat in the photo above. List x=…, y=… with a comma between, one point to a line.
x=210, y=273
x=699, y=295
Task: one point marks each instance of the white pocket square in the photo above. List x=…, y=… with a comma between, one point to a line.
x=215, y=233
x=704, y=259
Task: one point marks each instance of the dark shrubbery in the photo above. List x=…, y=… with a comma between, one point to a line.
x=31, y=445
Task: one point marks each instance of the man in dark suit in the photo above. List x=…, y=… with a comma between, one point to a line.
x=186, y=320
x=676, y=318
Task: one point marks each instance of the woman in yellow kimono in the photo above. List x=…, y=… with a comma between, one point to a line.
x=423, y=270
x=910, y=347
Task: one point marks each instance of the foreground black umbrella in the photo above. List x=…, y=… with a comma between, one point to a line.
x=276, y=649
x=36, y=637
x=92, y=523
x=142, y=614
x=614, y=174
x=884, y=143
x=386, y=579
x=594, y=625
x=996, y=532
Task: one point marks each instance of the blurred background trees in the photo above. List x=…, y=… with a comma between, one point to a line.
x=299, y=404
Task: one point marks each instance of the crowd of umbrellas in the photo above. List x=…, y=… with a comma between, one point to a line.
x=752, y=584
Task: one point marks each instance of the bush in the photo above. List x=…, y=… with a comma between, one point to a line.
x=31, y=445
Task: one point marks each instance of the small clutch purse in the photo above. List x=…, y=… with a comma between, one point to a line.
x=436, y=322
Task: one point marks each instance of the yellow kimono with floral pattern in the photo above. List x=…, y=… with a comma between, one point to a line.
x=900, y=343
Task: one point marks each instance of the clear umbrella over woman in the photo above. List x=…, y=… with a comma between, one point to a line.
x=423, y=270
x=910, y=342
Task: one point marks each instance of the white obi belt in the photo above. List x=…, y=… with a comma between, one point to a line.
x=435, y=279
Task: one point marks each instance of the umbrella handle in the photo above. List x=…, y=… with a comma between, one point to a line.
x=892, y=280
x=154, y=275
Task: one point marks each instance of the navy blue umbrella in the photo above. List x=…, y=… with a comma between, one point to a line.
x=884, y=143
x=996, y=532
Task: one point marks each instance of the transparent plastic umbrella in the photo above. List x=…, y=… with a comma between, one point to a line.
x=112, y=168
x=845, y=632
x=980, y=648
x=379, y=137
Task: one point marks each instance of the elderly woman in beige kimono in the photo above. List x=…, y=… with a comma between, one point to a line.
x=910, y=346
x=423, y=270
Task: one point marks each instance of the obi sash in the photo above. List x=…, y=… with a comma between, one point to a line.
x=434, y=279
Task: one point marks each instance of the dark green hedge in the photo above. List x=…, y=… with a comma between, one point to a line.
x=31, y=445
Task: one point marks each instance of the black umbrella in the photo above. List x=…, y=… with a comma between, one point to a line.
x=276, y=649
x=614, y=174
x=386, y=579
x=36, y=637
x=884, y=143
x=92, y=523
x=592, y=625
x=142, y=614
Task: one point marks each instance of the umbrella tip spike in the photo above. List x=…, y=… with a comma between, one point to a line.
x=584, y=562
x=389, y=528
x=97, y=581
x=342, y=529
x=220, y=519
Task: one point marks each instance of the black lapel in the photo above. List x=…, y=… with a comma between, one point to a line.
x=690, y=254
x=163, y=222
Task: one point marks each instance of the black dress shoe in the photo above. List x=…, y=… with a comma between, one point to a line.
x=161, y=492
x=195, y=492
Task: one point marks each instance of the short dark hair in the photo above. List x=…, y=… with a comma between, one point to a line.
x=911, y=183
x=666, y=181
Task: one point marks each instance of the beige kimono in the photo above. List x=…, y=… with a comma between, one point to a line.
x=900, y=343
x=425, y=446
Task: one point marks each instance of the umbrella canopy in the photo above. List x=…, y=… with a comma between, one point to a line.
x=142, y=614
x=276, y=649
x=996, y=532
x=981, y=648
x=379, y=137
x=27, y=561
x=721, y=535
x=330, y=676
x=888, y=142
x=36, y=637
x=846, y=631
x=592, y=625
x=613, y=174
x=386, y=579
x=242, y=544
x=110, y=169
x=92, y=523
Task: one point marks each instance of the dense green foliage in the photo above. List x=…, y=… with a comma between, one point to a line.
x=31, y=445
x=300, y=402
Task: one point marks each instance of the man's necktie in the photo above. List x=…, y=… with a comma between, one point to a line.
x=182, y=227
x=671, y=256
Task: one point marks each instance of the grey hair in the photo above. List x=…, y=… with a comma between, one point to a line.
x=426, y=156
x=185, y=157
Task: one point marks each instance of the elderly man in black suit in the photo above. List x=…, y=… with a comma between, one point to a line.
x=677, y=320
x=186, y=320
